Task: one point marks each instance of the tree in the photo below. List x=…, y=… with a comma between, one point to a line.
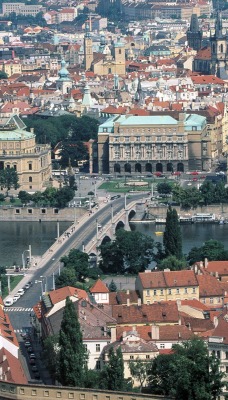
x=172, y=263
x=164, y=188
x=24, y=197
x=50, y=355
x=139, y=370
x=9, y=179
x=72, y=353
x=172, y=240
x=190, y=373
x=67, y=277
x=113, y=372
x=211, y=249
x=112, y=286
x=3, y=75
x=63, y=196
x=78, y=261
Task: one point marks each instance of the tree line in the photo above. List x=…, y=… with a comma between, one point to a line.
x=51, y=197
x=188, y=373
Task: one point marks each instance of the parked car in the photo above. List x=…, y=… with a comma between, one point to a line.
x=117, y=196
x=27, y=286
x=8, y=302
x=21, y=292
x=32, y=361
x=16, y=297
x=30, y=349
x=27, y=344
x=37, y=375
x=34, y=368
x=32, y=356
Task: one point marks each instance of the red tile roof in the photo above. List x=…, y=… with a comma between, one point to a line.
x=207, y=79
x=218, y=266
x=209, y=286
x=166, y=333
x=12, y=370
x=99, y=287
x=61, y=294
x=164, y=312
x=163, y=279
x=204, y=53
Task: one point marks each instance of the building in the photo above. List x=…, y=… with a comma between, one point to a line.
x=67, y=14
x=11, y=67
x=194, y=34
x=64, y=82
x=167, y=285
x=100, y=292
x=135, y=144
x=88, y=49
x=18, y=150
x=219, y=47
x=21, y=9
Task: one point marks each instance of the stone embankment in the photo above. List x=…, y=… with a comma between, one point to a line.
x=40, y=214
x=220, y=210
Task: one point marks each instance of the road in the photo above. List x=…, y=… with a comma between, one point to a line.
x=20, y=312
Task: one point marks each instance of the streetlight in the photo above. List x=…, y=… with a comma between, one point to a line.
x=44, y=277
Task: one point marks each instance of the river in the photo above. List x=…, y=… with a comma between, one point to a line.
x=15, y=237
x=192, y=234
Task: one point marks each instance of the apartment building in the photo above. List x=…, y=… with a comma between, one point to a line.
x=21, y=8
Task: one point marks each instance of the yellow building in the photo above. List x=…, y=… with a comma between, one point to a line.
x=167, y=285
x=18, y=150
x=11, y=67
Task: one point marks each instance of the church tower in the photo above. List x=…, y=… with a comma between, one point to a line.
x=64, y=83
x=194, y=34
x=119, y=57
x=219, y=49
x=88, y=49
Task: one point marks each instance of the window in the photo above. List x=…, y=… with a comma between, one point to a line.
x=155, y=292
x=162, y=346
x=186, y=290
x=116, y=138
x=30, y=167
x=226, y=355
x=120, y=51
x=131, y=357
x=218, y=354
x=127, y=138
x=158, y=138
x=162, y=292
x=137, y=138
x=85, y=345
x=98, y=347
x=211, y=300
x=15, y=167
x=147, y=292
x=177, y=290
x=30, y=187
x=30, y=211
x=147, y=356
x=30, y=179
x=17, y=211
x=169, y=138
x=43, y=211
x=169, y=291
x=193, y=290
x=147, y=138
x=98, y=364
x=109, y=70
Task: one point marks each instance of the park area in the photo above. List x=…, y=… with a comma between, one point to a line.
x=133, y=184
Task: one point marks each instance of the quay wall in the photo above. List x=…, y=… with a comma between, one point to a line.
x=40, y=214
x=218, y=209
x=41, y=392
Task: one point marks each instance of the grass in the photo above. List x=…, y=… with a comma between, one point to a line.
x=15, y=203
x=119, y=185
x=14, y=280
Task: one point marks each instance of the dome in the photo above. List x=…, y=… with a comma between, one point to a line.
x=63, y=72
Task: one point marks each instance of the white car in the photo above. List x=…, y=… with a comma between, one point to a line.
x=8, y=302
x=16, y=297
x=21, y=292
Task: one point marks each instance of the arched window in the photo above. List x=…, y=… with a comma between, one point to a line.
x=30, y=179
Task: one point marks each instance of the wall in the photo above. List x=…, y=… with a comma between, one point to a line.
x=213, y=209
x=10, y=213
x=28, y=392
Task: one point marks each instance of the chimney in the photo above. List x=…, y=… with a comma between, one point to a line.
x=216, y=274
x=105, y=331
x=113, y=334
x=32, y=130
x=134, y=328
x=215, y=321
x=201, y=264
x=139, y=302
x=128, y=291
x=178, y=304
x=128, y=302
x=154, y=332
x=206, y=262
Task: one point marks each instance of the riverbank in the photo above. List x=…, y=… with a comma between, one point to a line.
x=41, y=214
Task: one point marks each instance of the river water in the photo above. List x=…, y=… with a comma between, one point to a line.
x=15, y=237
x=192, y=234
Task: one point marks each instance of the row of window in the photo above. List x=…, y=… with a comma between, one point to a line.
x=42, y=211
x=212, y=299
x=149, y=138
x=162, y=291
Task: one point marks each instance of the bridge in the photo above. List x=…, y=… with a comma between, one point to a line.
x=105, y=233
x=42, y=392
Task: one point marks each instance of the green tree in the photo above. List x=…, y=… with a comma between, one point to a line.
x=50, y=355
x=78, y=261
x=173, y=263
x=139, y=371
x=9, y=179
x=112, y=286
x=63, y=196
x=172, y=239
x=72, y=353
x=67, y=277
x=24, y=197
x=187, y=374
x=164, y=188
x=3, y=75
x=211, y=249
x=113, y=372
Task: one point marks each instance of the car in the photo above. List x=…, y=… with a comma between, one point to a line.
x=26, y=337
x=8, y=302
x=28, y=344
x=36, y=375
x=16, y=297
x=34, y=368
x=32, y=361
x=30, y=283
x=202, y=177
x=99, y=226
x=195, y=179
x=117, y=196
x=27, y=286
x=32, y=356
x=194, y=173
x=176, y=173
x=30, y=350
x=21, y=292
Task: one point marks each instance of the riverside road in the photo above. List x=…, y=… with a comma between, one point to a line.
x=82, y=235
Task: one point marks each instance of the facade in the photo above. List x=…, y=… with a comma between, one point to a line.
x=167, y=285
x=21, y=9
x=100, y=292
x=133, y=144
x=88, y=49
x=219, y=55
x=64, y=83
x=194, y=35
x=18, y=150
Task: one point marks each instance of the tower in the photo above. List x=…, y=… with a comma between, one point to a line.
x=119, y=56
x=219, y=49
x=194, y=34
x=64, y=83
x=88, y=48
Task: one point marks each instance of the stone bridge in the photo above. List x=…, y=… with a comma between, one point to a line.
x=106, y=232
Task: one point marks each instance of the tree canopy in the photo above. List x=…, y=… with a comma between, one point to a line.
x=211, y=249
x=189, y=373
x=172, y=239
x=130, y=252
x=72, y=352
x=9, y=179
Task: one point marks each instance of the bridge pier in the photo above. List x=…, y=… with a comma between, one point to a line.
x=127, y=226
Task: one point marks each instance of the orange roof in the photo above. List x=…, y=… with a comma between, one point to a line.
x=170, y=333
x=11, y=368
x=209, y=286
x=218, y=266
x=61, y=294
x=99, y=287
x=139, y=112
x=204, y=53
x=163, y=312
x=207, y=79
x=167, y=279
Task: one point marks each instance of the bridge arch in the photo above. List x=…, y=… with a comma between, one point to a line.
x=106, y=239
x=131, y=214
x=120, y=225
